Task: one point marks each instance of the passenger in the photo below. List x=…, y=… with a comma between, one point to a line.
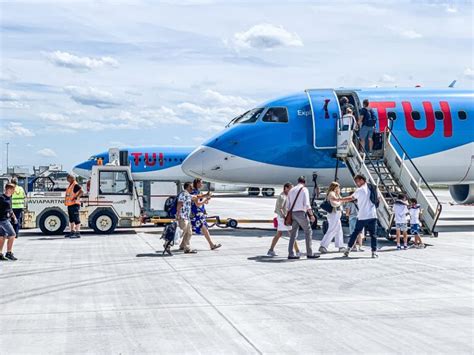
x=415, y=212
x=199, y=214
x=401, y=211
x=334, y=221
x=367, y=122
x=345, y=104
x=366, y=216
x=298, y=203
x=6, y=228
x=281, y=209
x=18, y=204
x=72, y=200
x=348, y=120
x=351, y=213
x=183, y=216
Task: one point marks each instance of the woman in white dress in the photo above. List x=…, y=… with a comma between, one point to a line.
x=281, y=210
x=334, y=220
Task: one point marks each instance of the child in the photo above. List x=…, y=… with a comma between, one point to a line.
x=401, y=211
x=415, y=212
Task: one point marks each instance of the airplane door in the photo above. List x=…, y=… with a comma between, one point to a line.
x=326, y=113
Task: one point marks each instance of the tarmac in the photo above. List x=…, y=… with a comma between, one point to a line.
x=117, y=295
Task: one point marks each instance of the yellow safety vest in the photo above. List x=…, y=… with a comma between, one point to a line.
x=18, y=198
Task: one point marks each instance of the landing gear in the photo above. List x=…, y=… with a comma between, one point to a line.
x=254, y=191
x=268, y=192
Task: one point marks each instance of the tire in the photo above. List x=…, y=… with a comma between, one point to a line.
x=232, y=223
x=104, y=222
x=254, y=191
x=52, y=222
x=268, y=192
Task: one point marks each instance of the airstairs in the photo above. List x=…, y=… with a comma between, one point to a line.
x=393, y=174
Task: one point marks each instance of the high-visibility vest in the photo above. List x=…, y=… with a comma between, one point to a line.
x=18, y=198
x=70, y=198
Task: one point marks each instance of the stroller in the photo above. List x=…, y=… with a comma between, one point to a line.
x=170, y=235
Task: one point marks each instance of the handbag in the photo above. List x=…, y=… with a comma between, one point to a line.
x=326, y=206
x=275, y=222
x=289, y=215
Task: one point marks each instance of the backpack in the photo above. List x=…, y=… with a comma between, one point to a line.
x=171, y=204
x=374, y=195
x=371, y=121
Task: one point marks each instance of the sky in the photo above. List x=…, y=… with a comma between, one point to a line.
x=79, y=77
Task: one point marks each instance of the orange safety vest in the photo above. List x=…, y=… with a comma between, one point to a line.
x=70, y=198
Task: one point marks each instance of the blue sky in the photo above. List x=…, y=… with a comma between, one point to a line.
x=78, y=77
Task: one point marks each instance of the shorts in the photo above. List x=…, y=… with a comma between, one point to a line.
x=6, y=230
x=415, y=229
x=281, y=225
x=73, y=213
x=366, y=132
x=401, y=226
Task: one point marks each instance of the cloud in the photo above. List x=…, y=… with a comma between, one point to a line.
x=451, y=9
x=10, y=99
x=469, y=73
x=410, y=34
x=47, y=152
x=15, y=129
x=71, y=61
x=266, y=36
x=387, y=79
x=228, y=100
x=90, y=96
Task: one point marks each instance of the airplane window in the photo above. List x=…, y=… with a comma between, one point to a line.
x=439, y=115
x=415, y=115
x=276, y=114
x=250, y=116
x=462, y=115
x=392, y=116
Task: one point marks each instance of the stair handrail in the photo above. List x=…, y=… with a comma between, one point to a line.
x=439, y=207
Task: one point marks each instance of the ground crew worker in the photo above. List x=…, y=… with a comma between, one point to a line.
x=73, y=202
x=18, y=204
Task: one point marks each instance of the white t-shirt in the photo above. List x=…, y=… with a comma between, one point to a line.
x=415, y=215
x=367, y=209
x=401, y=211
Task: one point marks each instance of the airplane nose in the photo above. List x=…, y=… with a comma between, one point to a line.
x=83, y=169
x=193, y=164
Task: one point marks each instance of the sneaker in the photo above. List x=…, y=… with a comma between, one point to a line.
x=75, y=235
x=342, y=250
x=271, y=253
x=421, y=246
x=323, y=250
x=314, y=256
x=405, y=247
x=2, y=257
x=9, y=255
x=374, y=255
x=68, y=235
x=346, y=253
x=293, y=257
x=361, y=250
x=399, y=247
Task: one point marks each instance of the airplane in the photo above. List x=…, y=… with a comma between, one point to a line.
x=280, y=139
x=163, y=163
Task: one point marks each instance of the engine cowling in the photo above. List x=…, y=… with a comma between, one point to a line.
x=462, y=193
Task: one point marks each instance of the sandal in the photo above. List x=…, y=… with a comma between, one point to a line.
x=190, y=251
x=215, y=246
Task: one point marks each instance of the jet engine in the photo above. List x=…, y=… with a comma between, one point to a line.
x=462, y=194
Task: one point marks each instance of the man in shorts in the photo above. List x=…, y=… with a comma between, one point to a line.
x=72, y=200
x=367, y=122
x=6, y=228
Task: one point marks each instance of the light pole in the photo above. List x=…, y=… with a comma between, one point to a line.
x=7, y=144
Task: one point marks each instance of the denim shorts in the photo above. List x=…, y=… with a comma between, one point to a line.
x=402, y=226
x=415, y=229
x=366, y=132
x=6, y=229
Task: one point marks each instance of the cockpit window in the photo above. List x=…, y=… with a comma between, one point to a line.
x=276, y=114
x=249, y=116
x=91, y=158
